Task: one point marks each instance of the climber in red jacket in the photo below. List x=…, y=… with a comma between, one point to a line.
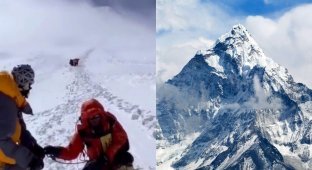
x=105, y=139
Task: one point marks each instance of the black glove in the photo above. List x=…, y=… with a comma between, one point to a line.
x=36, y=164
x=53, y=151
x=124, y=158
x=91, y=165
x=38, y=151
x=103, y=159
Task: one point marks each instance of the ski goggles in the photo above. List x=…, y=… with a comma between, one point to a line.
x=95, y=120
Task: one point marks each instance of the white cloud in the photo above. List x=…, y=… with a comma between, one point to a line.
x=261, y=100
x=261, y=97
x=188, y=24
x=287, y=40
x=181, y=15
x=171, y=58
x=68, y=28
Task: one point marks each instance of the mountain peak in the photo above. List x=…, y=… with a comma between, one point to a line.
x=246, y=109
x=240, y=46
x=238, y=33
x=240, y=30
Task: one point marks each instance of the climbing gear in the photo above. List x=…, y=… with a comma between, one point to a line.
x=106, y=141
x=62, y=162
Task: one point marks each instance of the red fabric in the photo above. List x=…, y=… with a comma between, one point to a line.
x=94, y=147
x=75, y=147
x=119, y=142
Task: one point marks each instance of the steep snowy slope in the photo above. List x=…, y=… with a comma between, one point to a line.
x=248, y=110
x=57, y=96
x=117, y=67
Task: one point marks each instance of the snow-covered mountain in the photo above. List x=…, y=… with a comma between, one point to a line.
x=117, y=67
x=231, y=107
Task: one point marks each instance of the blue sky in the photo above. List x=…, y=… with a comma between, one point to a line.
x=280, y=27
x=244, y=8
x=256, y=7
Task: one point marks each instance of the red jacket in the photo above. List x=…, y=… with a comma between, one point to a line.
x=83, y=136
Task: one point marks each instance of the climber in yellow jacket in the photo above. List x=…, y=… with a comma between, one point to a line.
x=15, y=151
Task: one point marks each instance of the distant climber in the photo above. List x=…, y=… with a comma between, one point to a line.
x=74, y=62
x=18, y=148
x=104, y=138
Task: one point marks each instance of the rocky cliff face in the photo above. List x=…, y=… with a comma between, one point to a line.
x=247, y=109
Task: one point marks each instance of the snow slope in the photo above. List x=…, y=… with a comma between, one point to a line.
x=117, y=68
x=248, y=110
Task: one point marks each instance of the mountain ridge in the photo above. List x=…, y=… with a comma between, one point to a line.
x=236, y=89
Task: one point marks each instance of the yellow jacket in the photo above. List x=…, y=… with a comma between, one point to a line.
x=9, y=88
